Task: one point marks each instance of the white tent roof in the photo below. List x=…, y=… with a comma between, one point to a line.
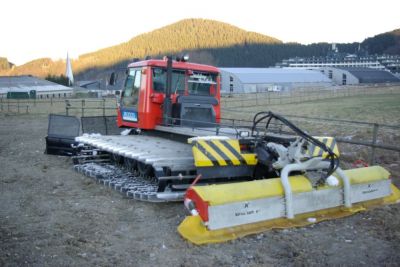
x=277, y=75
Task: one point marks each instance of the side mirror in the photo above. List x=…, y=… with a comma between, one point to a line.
x=113, y=79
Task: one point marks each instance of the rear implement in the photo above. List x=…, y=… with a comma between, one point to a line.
x=226, y=212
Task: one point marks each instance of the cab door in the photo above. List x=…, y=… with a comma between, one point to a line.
x=130, y=96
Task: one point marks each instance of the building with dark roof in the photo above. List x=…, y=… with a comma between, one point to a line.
x=29, y=84
x=352, y=76
x=89, y=84
x=106, y=84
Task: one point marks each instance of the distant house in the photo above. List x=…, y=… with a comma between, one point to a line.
x=251, y=80
x=353, y=75
x=102, y=87
x=31, y=87
x=89, y=84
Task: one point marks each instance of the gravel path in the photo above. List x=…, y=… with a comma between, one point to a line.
x=53, y=216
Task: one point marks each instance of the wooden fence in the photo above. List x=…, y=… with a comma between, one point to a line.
x=82, y=107
x=303, y=95
x=107, y=106
x=376, y=136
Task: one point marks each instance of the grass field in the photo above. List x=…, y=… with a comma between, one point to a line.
x=384, y=109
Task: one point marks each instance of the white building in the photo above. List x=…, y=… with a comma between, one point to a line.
x=251, y=80
x=321, y=62
x=380, y=62
x=43, y=89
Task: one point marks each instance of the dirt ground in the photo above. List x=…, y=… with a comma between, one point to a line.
x=52, y=216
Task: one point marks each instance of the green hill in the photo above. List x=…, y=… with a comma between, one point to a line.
x=185, y=35
x=39, y=67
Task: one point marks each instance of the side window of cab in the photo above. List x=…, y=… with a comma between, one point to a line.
x=130, y=93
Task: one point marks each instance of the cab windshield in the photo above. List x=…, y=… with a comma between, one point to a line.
x=185, y=82
x=202, y=84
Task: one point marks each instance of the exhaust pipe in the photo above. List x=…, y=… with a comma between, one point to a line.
x=167, y=106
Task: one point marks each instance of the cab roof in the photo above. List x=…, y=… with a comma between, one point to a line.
x=175, y=65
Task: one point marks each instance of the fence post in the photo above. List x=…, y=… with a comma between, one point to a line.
x=8, y=105
x=256, y=99
x=66, y=106
x=51, y=101
x=27, y=107
x=104, y=107
x=374, y=138
x=83, y=109
x=105, y=124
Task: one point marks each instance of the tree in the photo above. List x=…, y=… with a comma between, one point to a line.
x=58, y=79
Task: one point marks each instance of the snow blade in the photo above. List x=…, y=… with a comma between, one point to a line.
x=258, y=206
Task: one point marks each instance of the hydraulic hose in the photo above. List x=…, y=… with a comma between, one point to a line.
x=261, y=116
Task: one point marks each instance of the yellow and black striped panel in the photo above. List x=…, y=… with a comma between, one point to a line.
x=316, y=151
x=217, y=152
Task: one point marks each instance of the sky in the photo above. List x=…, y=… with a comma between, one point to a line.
x=51, y=28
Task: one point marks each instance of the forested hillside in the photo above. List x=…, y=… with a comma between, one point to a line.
x=189, y=35
x=206, y=41
x=388, y=43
